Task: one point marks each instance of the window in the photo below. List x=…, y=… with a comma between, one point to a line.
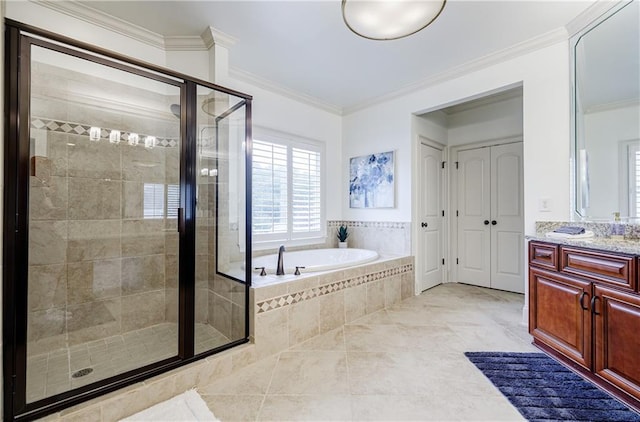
x=634, y=178
x=161, y=201
x=287, y=190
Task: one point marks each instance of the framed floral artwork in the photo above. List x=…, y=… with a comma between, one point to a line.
x=371, y=181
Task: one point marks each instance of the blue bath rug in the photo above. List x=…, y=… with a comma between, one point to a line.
x=544, y=390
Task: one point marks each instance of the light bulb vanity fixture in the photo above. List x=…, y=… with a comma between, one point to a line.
x=389, y=19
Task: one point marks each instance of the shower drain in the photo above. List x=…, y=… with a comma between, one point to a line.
x=82, y=372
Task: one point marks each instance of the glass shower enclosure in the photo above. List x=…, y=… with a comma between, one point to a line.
x=126, y=240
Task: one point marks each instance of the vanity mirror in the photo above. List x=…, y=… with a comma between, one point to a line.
x=606, y=115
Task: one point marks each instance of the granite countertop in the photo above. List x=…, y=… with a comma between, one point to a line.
x=600, y=243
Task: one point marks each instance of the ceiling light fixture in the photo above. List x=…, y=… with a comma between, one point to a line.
x=389, y=19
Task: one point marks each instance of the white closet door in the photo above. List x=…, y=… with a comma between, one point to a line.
x=474, y=211
x=431, y=217
x=507, y=218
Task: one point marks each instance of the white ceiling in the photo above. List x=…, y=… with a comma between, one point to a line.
x=305, y=47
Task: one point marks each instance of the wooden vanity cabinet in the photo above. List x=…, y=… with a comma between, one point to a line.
x=617, y=338
x=584, y=308
x=558, y=316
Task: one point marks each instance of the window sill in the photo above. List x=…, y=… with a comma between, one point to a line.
x=274, y=244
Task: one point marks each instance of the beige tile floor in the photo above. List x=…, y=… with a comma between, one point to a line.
x=51, y=373
x=404, y=363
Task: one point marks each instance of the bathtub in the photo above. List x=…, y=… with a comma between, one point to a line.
x=316, y=260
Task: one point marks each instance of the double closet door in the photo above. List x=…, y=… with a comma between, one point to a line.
x=490, y=217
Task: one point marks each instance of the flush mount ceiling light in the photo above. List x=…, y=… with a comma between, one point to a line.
x=389, y=19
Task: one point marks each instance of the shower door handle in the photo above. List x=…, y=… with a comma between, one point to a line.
x=179, y=218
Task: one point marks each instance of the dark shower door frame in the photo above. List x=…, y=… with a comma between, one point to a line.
x=19, y=38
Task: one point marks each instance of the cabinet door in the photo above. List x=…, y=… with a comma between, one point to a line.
x=617, y=342
x=559, y=315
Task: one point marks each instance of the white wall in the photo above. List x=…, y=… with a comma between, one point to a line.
x=502, y=119
x=497, y=120
x=192, y=63
x=544, y=75
x=433, y=126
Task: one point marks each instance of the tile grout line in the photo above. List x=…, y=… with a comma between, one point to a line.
x=346, y=357
x=264, y=398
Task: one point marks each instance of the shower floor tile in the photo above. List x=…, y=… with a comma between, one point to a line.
x=51, y=373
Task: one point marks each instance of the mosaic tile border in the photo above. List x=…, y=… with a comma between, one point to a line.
x=83, y=130
x=292, y=298
x=372, y=224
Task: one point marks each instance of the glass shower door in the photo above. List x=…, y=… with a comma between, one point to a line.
x=220, y=312
x=104, y=196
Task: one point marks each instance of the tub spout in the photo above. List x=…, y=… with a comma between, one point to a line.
x=280, y=269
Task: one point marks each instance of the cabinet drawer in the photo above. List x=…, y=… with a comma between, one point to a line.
x=543, y=255
x=618, y=270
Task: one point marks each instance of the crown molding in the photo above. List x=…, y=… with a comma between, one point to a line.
x=120, y=26
x=184, y=43
x=211, y=36
x=266, y=84
x=516, y=50
x=632, y=102
x=104, y=20
x=590, y=14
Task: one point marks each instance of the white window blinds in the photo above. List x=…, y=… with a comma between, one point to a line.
x=153, y=200
x=161, y=200
x=287, y=191
x=634, y=179
x=305, y=190
x=269, y=188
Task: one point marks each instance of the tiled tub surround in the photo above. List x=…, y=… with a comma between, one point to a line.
x=288, y=310
x=601, y=240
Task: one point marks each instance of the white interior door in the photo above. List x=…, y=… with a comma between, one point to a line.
x=473, y=217
x=431, y=235
x=507, y=218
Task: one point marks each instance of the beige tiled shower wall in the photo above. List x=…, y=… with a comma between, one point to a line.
x=97, y=266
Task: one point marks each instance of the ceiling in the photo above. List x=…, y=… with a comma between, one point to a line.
x=305, y=47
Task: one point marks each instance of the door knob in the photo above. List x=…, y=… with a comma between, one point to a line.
x=486, y=222
x=494, y=222
x=424, y=224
